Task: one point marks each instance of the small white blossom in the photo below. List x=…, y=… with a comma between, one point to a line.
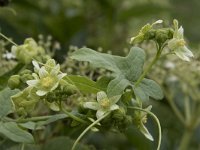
x=47, y=77
x=103, y=104
x=178, y=45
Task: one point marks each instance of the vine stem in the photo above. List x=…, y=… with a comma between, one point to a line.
x=174, y=107
x=22, y=147
x=185, y=140
x=87, y=129
x=8, y=39
x=156, y=120
x=73, y=116
x=149, y=67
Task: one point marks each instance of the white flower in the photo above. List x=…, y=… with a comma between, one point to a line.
x=178, y=45
x=103, y=104
x=47, y=77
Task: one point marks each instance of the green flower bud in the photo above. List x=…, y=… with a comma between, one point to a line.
x=150, y=34
x=26, y=77
x=162, y=35
x=128, y=120
x=14, y=82
x=25, y=71
x=27, y=51
x=70, y=89
x=119, y=114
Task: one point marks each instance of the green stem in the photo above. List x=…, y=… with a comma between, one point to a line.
x=149, y=67
x=73, y=116
x=156, y=120
x=40, y=118
x=23, y=145
x=174, y=108
x=185, y=140
x=8, y=39
x=87, y=129
x=187, y=110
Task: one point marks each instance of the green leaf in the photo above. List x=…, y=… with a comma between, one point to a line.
x=5, y=101
x=117, y=86
x=52, y=119
x=12, y=131
x=148, y=88
x=128, y=69
x=130, y=66
x=30, y=125
x=103, y=82
x=84, y=84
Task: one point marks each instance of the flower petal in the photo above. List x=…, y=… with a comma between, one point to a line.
x=55, y=70
x=55, y=86
x=60, y=76
x=114, y=99
x=36, y=66
x=100, y=113
x=32, y=82
x=41, y=93
x=188, y=52
x=42, y=72
x=179, y=52
x=91, y=105
x=35, y=76
x=101, y=95
x=145, y=132
x=114, y=107
x=180, y=33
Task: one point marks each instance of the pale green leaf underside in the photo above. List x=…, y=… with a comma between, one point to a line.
x=12, y=131
x=148, y=88
x=5, y=102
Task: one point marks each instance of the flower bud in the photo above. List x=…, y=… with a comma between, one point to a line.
x=119, y=114
x=27, y=51
x=14, y=82
x=128, y=120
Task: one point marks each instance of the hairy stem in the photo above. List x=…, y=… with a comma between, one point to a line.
x=156, y=120
x=87, y=129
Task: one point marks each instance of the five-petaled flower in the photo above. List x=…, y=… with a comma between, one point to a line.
x=103, y=104
x=47, y=77
x=178, y=45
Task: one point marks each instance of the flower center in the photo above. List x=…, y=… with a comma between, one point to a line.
x=181, y=42
x=105, y=103
x=47, y=81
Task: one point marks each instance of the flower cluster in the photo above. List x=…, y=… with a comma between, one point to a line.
x=27, y=51
x=174, y=38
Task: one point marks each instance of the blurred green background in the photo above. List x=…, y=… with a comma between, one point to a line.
x=95, y=23
x=108, y=24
